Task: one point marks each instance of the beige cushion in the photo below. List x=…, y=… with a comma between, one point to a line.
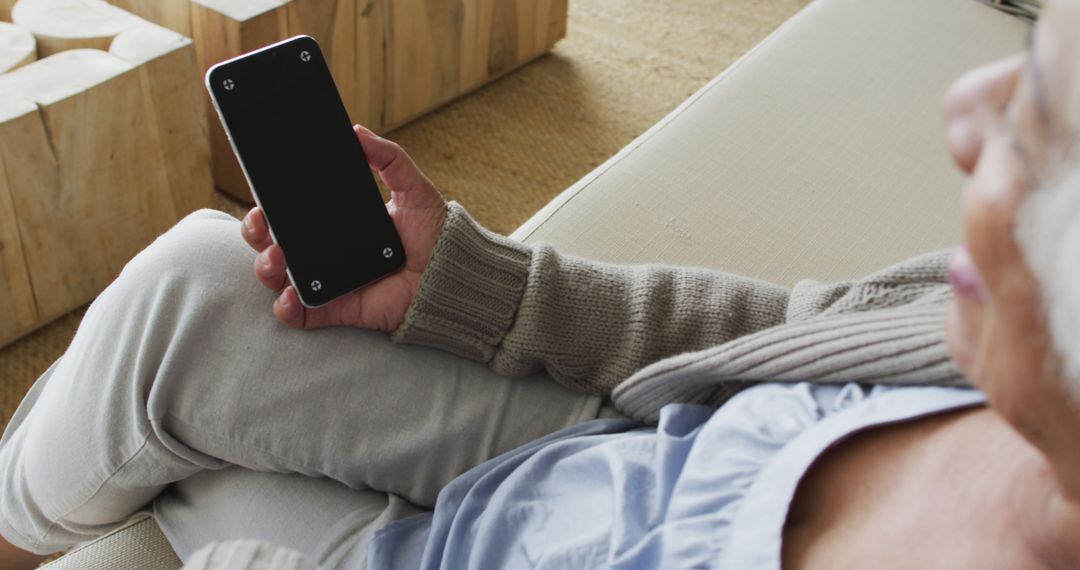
x=138, y=544
x=819, y=154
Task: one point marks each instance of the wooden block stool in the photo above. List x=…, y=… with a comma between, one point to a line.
x=393, y=60
x=103, y=147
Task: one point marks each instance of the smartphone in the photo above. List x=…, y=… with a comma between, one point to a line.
x=307, y=171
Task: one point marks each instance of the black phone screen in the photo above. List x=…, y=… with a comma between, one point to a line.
x=306, y=168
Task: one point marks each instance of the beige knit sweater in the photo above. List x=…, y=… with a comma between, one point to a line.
x=649, y=335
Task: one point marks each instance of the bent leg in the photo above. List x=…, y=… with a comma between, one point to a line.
x=179, y=366
x=327, y=522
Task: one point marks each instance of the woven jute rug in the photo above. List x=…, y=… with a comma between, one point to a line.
x=507, y=149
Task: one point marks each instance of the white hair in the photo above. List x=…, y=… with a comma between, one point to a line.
x=1048, y=221
x=1048, y=232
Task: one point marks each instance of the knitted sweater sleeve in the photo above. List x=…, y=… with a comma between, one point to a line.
x=522, y=309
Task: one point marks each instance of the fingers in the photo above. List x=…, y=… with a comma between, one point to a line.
x=270, y=267
x=269, y=264
x=361, y=129
x=398, y=171
x=255, y=230
x=291, y=312
x=288, y=310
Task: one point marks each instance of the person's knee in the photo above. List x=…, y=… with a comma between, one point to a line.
x=203, y=253
x=205, y=243
x=202, y=238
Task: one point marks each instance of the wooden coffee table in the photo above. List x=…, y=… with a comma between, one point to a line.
x=393, y=60
x=107, y=136
x=103, y=147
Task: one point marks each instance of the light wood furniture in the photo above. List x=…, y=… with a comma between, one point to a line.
x=101, y=150
x=107, y=136
x=17, y=47
x=393, y=60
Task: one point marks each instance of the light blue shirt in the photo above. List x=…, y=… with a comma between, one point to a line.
x=703, y=489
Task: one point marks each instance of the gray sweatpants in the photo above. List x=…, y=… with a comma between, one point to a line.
x=182, y=394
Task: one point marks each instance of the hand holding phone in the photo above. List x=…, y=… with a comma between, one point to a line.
x=417, y=210
x=307, y=171
x=321, y=227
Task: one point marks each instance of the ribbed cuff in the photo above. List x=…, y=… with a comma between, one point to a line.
x=469, y=292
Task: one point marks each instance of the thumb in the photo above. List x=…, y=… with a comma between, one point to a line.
x=398, y=171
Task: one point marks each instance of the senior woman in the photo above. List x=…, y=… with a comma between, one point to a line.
x=181, y=394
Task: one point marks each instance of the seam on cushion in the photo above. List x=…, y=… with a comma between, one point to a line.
x=654, y=130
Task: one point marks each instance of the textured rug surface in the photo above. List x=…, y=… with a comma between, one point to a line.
x=507, y=149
